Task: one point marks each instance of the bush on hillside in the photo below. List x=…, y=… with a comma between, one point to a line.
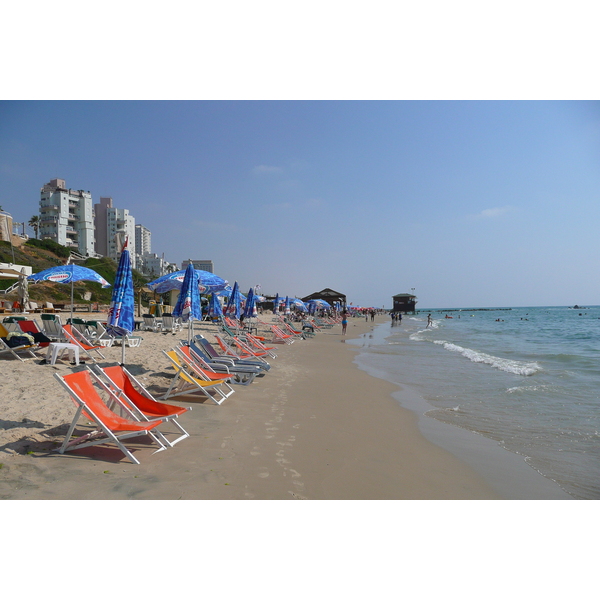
x=50, y=245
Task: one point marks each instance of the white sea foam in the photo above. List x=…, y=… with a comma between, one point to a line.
x=504, y=364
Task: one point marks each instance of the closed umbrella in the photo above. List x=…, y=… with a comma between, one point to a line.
x=250, y=308
x=188, y=302
x=121, y=322
x=68, y=274
x=214, y=306
x=23, y=290
x=233, y=304
x=276, y=305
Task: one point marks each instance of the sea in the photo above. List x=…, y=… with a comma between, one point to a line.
x=524, y=380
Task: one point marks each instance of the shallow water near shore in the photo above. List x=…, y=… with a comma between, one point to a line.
x=525, y=379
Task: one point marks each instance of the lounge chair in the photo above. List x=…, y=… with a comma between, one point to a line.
x=210, y=350
x=81, y=326
x=256, y=344
x=189, y=380
x=32, y=307
x=279, y=337
x=170, y=323
x=145, y=407
x=32, y=327
x=11, y=324
x=238, y=349
x=99, y=335
x=49, y=308
x=196, y=356
x=75, y=337
x=225, y=365
x=52, y=327
x=5, y=348
x=110, y=427
x=150, y=323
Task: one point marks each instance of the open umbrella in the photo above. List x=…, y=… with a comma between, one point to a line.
x=23, y=290
x=188, y=302
x=68, y=274
x=207, y=282
x=121, y=320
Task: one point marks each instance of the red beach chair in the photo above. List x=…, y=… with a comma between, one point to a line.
x=110, y=427
x=75, y=337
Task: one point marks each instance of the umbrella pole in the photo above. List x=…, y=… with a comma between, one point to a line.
x=123, y=338
x=71, y=301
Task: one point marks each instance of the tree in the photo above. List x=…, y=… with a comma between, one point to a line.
x=34, y=223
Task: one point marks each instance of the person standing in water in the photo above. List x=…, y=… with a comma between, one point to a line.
x=429, y=320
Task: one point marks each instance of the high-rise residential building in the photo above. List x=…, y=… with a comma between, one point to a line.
x=202, y=265
x=67, y=217
x=113, y=227
x=143, y=246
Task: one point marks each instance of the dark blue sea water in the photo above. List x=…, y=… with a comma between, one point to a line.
x=528, y=378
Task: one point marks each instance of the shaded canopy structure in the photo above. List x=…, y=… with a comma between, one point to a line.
x=404, y=303
x=328, y=295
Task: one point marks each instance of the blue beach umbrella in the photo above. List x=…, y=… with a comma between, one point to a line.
x=68, y=274
x=233, y=304
x=188, y=302
x=298, y=304
x=214, y=306
x=286, y=309
x=276, y=305
x=207, y=282
x=250, y=308
x=121, y=322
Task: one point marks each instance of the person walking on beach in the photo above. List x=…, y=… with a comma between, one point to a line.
x=429, y=320
x=344, y=322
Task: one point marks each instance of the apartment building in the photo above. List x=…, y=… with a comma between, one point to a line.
x=113, y=226
x=67, y=217
x=156, y=266
x=202, y=265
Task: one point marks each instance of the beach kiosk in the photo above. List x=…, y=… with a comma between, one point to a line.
x=404, y=303
x=328, y=295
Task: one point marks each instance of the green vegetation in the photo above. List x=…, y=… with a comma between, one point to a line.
x=50, y=245
x=43, y=254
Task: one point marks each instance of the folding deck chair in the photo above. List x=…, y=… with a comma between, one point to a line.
x=110, y=427
x=52, y=327
x=189, y=381
x=31, y=326
x=75, y=337
x=226, y=365
x=144, y=406
x=170, y=323
x=14, y=350
x=237, y=360
x=196, y=356
x=279, y=337
x=150, y=323
x=241, y=349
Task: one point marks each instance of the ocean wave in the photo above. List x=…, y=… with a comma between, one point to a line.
x=503, y=364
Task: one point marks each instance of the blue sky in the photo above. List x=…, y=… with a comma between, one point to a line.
x=472, y=203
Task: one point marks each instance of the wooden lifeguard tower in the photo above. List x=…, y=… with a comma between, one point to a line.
x=404, y=303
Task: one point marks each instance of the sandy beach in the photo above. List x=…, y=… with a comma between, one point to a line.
x=314, y=427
